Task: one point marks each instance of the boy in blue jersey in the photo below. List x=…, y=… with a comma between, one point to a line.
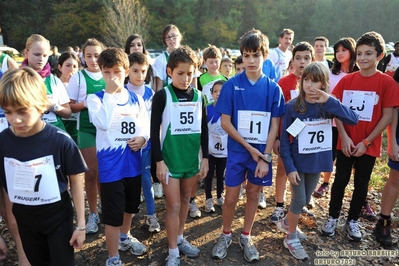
x=137, y=74
x=250, y=104
x=122, y=125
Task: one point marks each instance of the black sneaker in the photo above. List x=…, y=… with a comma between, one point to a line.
x=383, y=235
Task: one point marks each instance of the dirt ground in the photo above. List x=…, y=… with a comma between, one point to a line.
x=203, y=232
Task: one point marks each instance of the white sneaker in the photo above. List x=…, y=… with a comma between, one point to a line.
x=209, y=206
x=353, y=230
x=158, y=192
x=194, y=211
x=131, y=243
x=153, y=224
x=328, y=229
x=262, y=200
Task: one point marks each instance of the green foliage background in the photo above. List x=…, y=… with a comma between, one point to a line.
x=219, y=22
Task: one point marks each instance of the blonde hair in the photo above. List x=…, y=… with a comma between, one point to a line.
x=36, y=38
x=317, y=72
x=23, y=87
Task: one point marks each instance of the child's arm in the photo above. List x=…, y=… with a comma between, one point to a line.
x=385, y=120
x=393, y=148
x=346, y=142
x=136, y=143
x=101, y=111
x=158, y=106
x=78, y=236
x=204, y=140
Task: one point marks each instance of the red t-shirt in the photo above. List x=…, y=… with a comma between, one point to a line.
x=288, y=84
x=386, y=96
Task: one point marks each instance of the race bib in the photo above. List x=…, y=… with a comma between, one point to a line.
x=50, y=117
x=361, y=102
x=253, y=126
x=32, y=183
x=185, y=118
x=123, y=128
x=218, y=145
x=294, y=94
x=315, y=137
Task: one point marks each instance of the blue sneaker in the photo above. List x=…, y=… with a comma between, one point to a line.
x=92, y=223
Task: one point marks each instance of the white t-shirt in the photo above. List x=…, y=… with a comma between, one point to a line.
x=280, y=60
x=77, y=85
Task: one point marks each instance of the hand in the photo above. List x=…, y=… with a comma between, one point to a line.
x=3, y=249
x=162, y=171
x=204, y=169
x=136, y=143
x=319, y=96
x=112, y=85
x=393, y=152
x=255, y=154
x=359, y=150
x=293, y=177
x=276, y=147
x=77, y=239
x=347, y=146
x=262, y=168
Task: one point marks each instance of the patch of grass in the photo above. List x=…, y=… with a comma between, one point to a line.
x=380, y=172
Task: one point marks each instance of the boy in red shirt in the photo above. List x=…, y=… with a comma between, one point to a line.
x=373, y=96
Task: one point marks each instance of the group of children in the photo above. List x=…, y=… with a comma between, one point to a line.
x=230, y=125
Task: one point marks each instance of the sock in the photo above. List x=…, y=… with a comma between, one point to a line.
x=122, y=236
x=245, y=234
x=280, y=204
x=285, y=221
x=112, y=259
x=179, y=239
x=385, y=220
x=174, y=252
x=192, y=199
x=292, y=235
x=227, y=233
x=325, y=184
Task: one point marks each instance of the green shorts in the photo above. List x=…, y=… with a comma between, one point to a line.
x=184, y=175
x=86, y=140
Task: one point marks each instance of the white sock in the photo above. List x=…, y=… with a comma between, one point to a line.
x=174, y=252
x=179, y=239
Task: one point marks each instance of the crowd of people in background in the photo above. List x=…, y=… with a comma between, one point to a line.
x=104, y=125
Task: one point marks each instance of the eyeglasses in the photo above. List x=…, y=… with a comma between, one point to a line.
x=171, y=37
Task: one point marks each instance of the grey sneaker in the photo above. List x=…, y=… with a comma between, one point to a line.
x=285, y=229
x=219, y=250
x=172, y=260
x=328, y=229
x=295, y=247
x=250, y=251
x=262, y=200
x=132, y=244
x=194, y=211
x=220, y=201
x=113, y=263
x=353, y=230
x=209, y=206
x=153, y=224
x=277, y=214
x=187, y=249
x=92, y=223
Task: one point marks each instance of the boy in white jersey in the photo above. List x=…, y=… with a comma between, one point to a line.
x=122, y=125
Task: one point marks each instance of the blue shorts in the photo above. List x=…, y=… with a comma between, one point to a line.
x=239, y=163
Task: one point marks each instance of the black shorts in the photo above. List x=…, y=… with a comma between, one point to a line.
x=119, y=197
